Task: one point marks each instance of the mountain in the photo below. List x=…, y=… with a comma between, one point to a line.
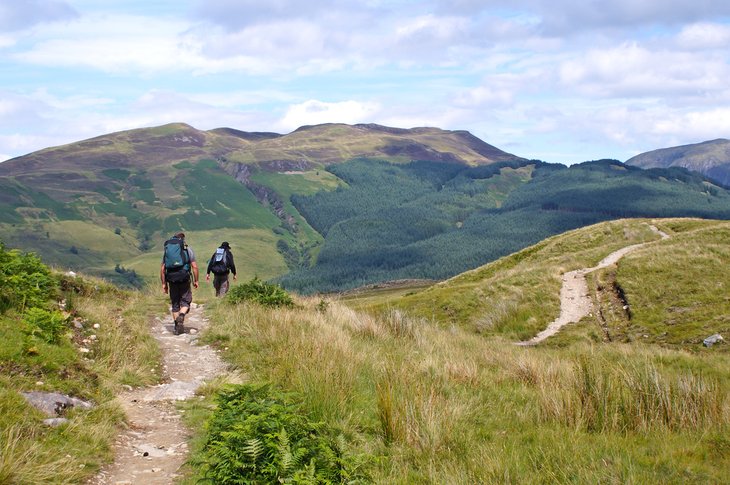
x=433, y=221
x=105, y=204
x=711, y=158
x=324, y=208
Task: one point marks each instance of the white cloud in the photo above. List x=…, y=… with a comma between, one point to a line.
x=6, y=41
x=631, y=70
x=115, y=44
x=314, y=112
x=704, y=35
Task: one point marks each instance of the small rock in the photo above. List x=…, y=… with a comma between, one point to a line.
x=78, y=324
x=39, y=383
x=84, y=350
x=150, y=450
x=92, y=337
x=193, y=331
x=55, y=421
x=96, y=325
x=712, y=340
x=156, y=470
x=70, y=273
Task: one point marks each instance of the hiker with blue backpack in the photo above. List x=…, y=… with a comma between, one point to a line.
x=178, y=265
x=221, y=265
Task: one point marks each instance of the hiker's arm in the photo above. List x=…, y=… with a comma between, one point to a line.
x=194, y=266
x=232, y=265
x=162, y=278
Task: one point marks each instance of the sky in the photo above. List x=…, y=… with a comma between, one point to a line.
x=561, y=81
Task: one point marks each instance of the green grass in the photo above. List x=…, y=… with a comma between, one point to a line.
x=438, y=404
x=678, y=291
x=120, y=351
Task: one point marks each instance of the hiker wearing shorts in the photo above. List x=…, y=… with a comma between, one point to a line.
x=175, y=277
x=221, y=265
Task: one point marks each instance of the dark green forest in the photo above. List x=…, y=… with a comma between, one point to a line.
x=435, y=220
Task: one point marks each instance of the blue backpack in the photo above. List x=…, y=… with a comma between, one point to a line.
x=176, y=260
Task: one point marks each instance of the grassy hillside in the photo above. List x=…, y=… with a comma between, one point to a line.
x=674, y=289
x=334, y=143
x=79, y=337
x=433, y=221
x=145, y=184
x=711, y=158
x=428, y=388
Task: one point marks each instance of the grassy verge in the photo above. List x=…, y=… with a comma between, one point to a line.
x=429, y=404
x=82, y=338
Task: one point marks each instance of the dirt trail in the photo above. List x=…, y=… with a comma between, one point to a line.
x=154, y=446
x=575, y=302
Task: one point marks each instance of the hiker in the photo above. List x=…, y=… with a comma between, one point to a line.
x=178, y=265
x=221, y=264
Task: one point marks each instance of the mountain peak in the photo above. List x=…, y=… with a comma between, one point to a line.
x=711, y=158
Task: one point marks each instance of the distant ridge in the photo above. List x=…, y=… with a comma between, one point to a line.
x=710, y=158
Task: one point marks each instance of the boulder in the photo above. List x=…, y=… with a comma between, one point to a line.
x=54, y=404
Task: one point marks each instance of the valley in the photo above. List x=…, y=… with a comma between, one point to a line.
x=325, y=208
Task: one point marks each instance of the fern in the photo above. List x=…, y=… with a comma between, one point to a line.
x=253, y=449
x=285, y=457
x=260, y=435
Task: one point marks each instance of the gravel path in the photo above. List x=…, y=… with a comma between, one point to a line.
x=575, y=302
x=154, y=445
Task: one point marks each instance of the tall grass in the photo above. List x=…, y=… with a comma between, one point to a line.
x=599, y=396
x=445, y=405
x=124, y=352
x=24, y=460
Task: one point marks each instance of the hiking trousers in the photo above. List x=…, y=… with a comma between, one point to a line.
x=181, y=295
x=220, y=283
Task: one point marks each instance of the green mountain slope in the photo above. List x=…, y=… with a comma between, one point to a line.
x=671, y=292
x=430, y=221
x=106, y=202
x=711, y=158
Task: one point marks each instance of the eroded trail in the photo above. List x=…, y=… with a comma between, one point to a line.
x=575, y=302
x=154, y=446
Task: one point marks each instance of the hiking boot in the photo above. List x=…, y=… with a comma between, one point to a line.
x=179, y=327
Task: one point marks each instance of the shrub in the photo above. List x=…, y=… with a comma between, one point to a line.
x=44, y=324
x=24, y=280
x=258, y=435
x=260, y=292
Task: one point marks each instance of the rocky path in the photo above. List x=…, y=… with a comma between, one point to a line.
x=575, y=302
x=154, y=446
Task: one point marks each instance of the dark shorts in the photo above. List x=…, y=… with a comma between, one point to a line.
x=220, y=283
x=181, y=295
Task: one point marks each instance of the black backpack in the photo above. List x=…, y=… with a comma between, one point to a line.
x=219, y=261
x=176, y=260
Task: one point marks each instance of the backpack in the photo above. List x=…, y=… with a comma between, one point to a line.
x=176, y=260
x=219, y=262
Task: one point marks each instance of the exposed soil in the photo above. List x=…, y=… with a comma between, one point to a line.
x=575, y=302
x=154, y=445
